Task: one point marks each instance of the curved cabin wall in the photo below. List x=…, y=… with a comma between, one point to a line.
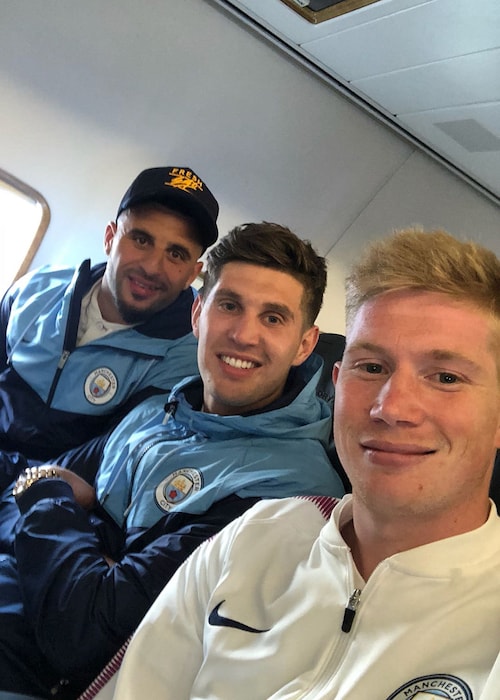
x=93, y=92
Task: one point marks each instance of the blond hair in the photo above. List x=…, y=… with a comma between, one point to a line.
x=433, y=261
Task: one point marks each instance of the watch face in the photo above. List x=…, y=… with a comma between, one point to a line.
x=21, y=483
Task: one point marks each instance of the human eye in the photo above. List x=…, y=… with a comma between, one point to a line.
x=227, y=306
x=365, y=370
x=444, y=379
x=448, y=378
x=141, y=240
x=178, y=254
x=273, y=320
x=369, y=367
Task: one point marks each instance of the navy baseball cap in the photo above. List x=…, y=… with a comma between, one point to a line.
x=181, y=189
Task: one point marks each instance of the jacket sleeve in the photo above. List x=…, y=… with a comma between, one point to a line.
x=166, y=653
x=5, y=306
x=85, y=459
x=83, y=610
x=11, y=465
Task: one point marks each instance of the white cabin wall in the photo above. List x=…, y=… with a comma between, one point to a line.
x=419, y=193
x=93, y=92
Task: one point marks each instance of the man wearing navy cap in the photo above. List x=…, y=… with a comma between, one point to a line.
x=82, y=346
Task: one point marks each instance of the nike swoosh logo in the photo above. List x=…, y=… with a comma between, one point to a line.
x=217, y=620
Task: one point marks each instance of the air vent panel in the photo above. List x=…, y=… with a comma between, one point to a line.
x=316, y=11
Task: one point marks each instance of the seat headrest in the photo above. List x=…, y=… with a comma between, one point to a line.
x=330, y=347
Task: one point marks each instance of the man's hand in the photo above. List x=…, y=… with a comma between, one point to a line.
x=83, y=492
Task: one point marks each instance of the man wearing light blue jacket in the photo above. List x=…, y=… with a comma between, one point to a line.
x=79, y=347
x=174, y=471
x=187, y=459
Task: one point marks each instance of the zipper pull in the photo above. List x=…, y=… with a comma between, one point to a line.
x=350, y=610
x=63, y=359
x=170, y=409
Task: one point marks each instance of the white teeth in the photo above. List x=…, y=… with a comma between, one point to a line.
x=240, y=364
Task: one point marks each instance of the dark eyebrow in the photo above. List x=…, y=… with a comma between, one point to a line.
x=281, y=309
x=176, y=247
x=226, y=292
x=137, y=231
x=270, y=307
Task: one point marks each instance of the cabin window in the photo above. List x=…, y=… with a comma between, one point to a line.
x=24, y=218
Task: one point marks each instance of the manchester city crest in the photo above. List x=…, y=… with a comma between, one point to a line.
x=177, y=487
x=100, y=386
x=434, y=687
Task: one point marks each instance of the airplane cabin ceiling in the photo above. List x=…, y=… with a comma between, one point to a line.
x=428, y=68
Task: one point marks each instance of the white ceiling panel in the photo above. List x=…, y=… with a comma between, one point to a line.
x=483, y=166
x=420, y=35
x=417, y=62
x=279, y=17
x=468, y=80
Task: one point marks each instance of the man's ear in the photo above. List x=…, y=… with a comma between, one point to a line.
x=335, y=371
x=307, y=345
x=197, y=268
x=109, y=235
x=195, y=314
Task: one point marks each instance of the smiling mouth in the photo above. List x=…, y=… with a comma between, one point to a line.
x=144, y=285
x=392, y=448
x=237, y=363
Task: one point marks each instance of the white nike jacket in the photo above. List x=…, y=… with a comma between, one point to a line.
x=257, y=614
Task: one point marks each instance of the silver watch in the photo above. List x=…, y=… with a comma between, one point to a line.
x=29, y=476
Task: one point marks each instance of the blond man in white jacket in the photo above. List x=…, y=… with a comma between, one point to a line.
x=394, y=592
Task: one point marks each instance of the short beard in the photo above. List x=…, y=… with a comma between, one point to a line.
x=133, y=316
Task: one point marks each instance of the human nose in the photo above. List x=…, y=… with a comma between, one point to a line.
x=153, y=262
x=245, y=330
x=398, y=401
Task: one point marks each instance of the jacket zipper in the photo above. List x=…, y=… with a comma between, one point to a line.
x=142, y=448
x=350, y=610
x=322, y=683
x=60, y=365
x=148, y=444
x=82, y=282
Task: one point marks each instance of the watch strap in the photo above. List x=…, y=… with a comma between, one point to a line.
x=30, y=476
